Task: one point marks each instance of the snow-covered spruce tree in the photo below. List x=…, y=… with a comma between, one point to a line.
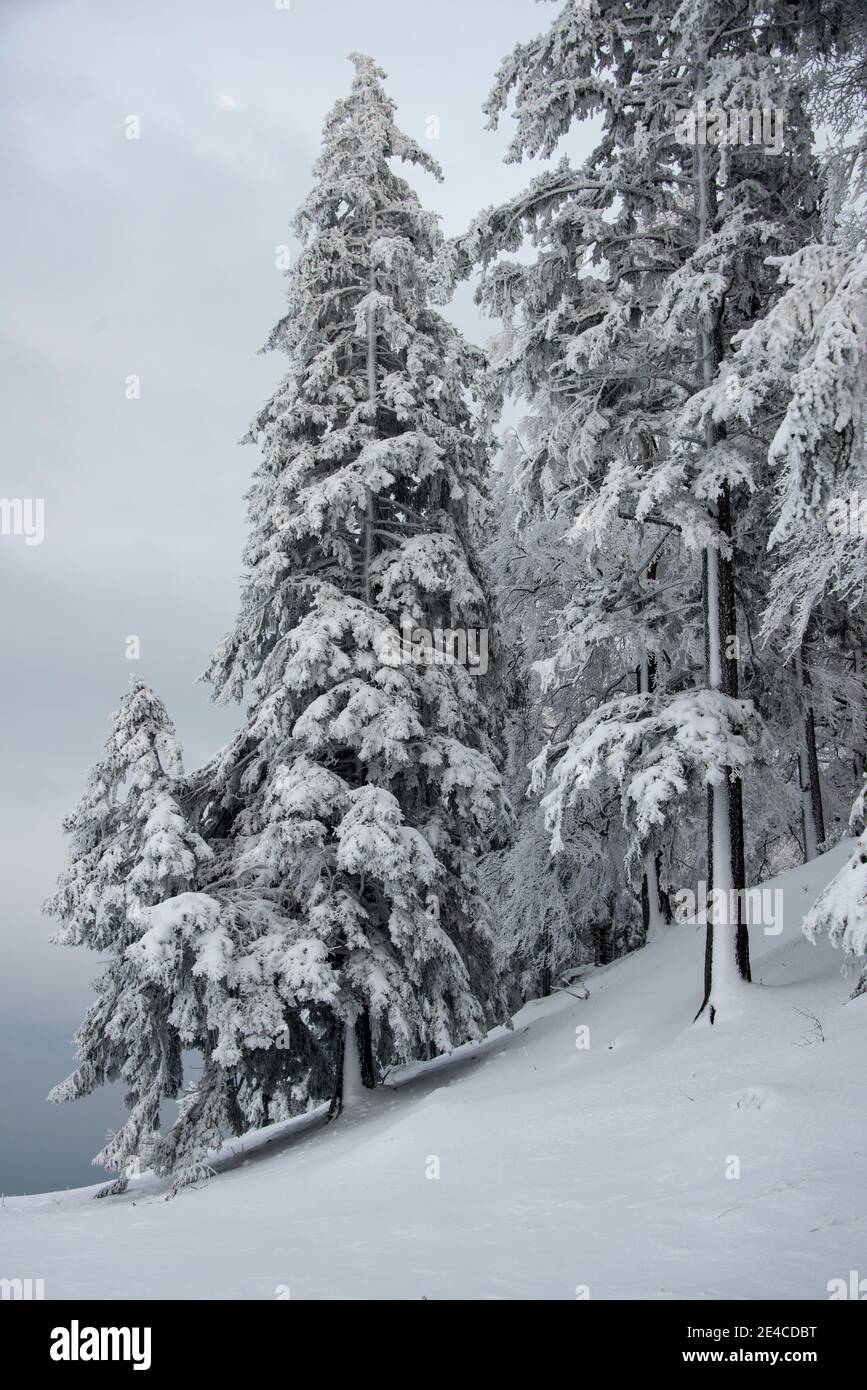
x=804, y=366
x=799, y=598
x=131, y=847
x=555, y=912
x=833, y=48
x=651, y=257
x=840, y=911
x=800, y=382
x=350, y=812
x=805, y=371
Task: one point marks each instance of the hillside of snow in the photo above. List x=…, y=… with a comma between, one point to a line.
x=529, y=1167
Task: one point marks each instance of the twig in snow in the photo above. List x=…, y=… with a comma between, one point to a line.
x=816, y=1033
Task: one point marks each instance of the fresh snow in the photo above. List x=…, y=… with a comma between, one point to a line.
x=561, y=1168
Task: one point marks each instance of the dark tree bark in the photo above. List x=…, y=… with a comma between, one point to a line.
x=814, y=775
x=364, y=1041
x=723, y=628
x=720, y=626
x=652, y=905
x=812, y=810
x=545, y=977
x=365, y=1050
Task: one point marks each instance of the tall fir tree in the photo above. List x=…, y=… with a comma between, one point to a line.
x=651, y=258
x=350, y=812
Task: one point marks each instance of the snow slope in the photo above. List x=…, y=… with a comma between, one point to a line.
x=559, y=1168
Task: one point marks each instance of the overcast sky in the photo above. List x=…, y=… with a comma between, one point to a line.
x=156, y=258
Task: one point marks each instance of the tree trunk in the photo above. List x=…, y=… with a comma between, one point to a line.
x=354, y=1071
x=727, y=952
x=664, y=899
x=651, y=906
x=651, y=897
x=370, y=518
x=602, y=943
x=812, y=810
x=655, y=906
x=364, y=1038
x=545, y=978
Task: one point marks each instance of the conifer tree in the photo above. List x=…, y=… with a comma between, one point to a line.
x=555, y=911
x=840, y=911
x=349, y=813
x=651, y=258
x=131, y=848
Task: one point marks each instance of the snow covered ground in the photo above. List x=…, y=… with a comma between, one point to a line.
x=561, y=1169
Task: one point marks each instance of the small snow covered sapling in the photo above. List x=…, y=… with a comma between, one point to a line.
x=130, y=847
